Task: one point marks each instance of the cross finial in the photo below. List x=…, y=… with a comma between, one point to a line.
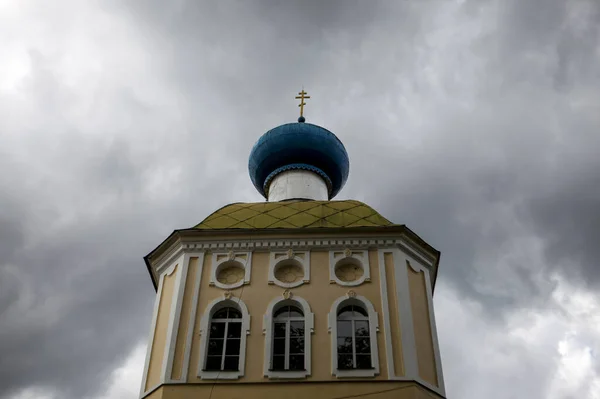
x=302, y=97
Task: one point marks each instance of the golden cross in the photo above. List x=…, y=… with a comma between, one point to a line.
x=301, y=97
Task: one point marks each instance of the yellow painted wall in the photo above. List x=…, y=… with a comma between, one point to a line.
x=184, y=320
x=300, y=390
x=395, y=331
x=320, y=295
x=422, y=326
x=158, y=394
x=160, y=332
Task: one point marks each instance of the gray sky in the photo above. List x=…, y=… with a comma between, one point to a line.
x=476, y=123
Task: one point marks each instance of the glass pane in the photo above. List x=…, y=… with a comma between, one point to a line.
x=213, y=362
x=234, y=313
x=345, y=313
x=361, y=328
x=279, y=346
x=363, y=345
x=344, y=345
x=296, y=362
x=232, y=347
x=220, y=314
x=358, y=310
x=234, y=330
x=296, y=345
x=215, y=346
x=278, y=362
x=282, y=311
x=363, y=361
x=217, y=330
x=231, y=363
x=295, y=312
x=344, y=362
x=296, y=328
x=279, y=330
x=344, y=328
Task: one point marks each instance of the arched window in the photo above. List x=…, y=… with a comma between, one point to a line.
x=353, y=324
x=224, y=340
x=223, y=329
x=288, y=339
x=288, y=325
x=353, y=340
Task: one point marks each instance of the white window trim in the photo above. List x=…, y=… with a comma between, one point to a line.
x=309, y=324
x=352, y=299
x=212, y=307
x=275, y=260
x=242, y=259
x=356, y=257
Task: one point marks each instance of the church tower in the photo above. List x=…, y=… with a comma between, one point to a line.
x=297, y=297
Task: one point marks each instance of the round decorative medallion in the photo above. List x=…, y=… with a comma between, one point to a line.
x=230, y=275
x=348, y=272
x=289, y=273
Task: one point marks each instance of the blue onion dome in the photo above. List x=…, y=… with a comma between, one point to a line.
x=296, y=146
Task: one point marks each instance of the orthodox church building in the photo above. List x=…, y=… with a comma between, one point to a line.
x=300, y=296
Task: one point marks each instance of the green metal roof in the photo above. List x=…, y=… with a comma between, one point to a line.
x=294, y=214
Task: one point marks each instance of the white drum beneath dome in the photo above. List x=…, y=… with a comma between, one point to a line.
x=297, y=184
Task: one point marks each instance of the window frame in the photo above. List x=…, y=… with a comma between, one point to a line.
x=353, y=319
x=338, y=304
x=268, y=330
x=205, y=323
x=287, y=320
x=228, y=321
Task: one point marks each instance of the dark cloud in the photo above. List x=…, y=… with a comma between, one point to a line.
x=568, y=217
x=474, y=124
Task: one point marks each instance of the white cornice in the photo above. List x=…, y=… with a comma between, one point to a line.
x=303, y=243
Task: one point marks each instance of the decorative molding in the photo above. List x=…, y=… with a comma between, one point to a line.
x=307, y=243
x=211, y=308
x=436, y=345
x=412, y=266
x=420, y=268
x=168, y=271
x=168, y=257
x=192, y=321
x=299, y=259
x=389, y=350
x=357, y=258
x=400, y=240
x=159, y=290
x=174, y=315
x=309, y=323
x=407, y=331
x=414, y=253
x=221, y=260
x=373, y=330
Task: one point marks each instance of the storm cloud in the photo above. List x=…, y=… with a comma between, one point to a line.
x=475, y=123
